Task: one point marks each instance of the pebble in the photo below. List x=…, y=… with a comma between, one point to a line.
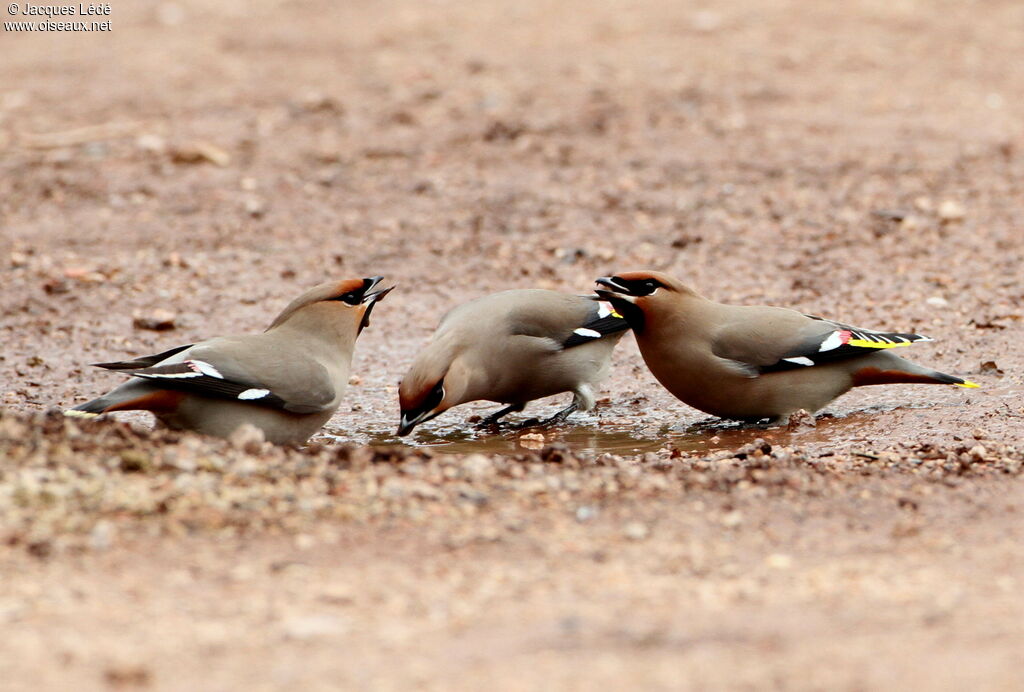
x=732, y=519
x=68, y=479
x=158, y=320
x=532, y=441
x=636, y=531
x=951, y=210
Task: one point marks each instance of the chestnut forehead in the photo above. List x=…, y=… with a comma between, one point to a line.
x=636, y=276
x=411, y=393
x=343, y=287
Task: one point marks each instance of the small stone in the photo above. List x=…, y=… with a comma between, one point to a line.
x=937, y=302
x=585, y=513
x=159, y=320
x=248, y=438
x=802, y=419
x=255, y=206
x=127, y=675
x=151, y=143
x=979, y=433
x=991, y=367
x=732, y=519
x=102, y=535
x=779, y=561
x=636, y=531
x=200, y=152
x=532, y=440
x=951, y=210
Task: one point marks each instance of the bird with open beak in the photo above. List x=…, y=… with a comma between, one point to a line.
x=754, y=362
x=512, y=347
x=287, y=381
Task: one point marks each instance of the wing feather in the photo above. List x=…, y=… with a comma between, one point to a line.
x=773, y=340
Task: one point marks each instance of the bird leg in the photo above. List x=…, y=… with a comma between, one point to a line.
x=498, y=415
x=553, y=420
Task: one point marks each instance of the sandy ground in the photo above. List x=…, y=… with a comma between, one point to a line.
x=861, y=161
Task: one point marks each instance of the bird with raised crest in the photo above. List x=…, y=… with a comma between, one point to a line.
x=754, y=362
x=512, y=347
x=287, y=381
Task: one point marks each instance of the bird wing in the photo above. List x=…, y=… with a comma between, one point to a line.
x=566, y=320
x=776, y=339
x=227, y=368
x=143, y=361
x=601, y=321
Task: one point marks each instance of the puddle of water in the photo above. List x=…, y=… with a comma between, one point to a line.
x=622, y=440
x=590, y=434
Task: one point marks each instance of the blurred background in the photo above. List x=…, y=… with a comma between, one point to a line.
x=192, y=170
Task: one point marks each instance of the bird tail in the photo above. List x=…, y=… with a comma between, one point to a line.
x=905, y=372
x=134, y=395
x=90, y=409
x=943, y=378
x=886, y=369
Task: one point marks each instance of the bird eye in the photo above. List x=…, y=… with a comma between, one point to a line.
x=352, y=298
x=435, y=397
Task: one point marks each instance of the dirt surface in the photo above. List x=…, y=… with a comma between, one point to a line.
x=203, y=163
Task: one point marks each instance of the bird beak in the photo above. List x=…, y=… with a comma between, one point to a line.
x=622, y=301
x=370, y=298
x=406, y=425
x=618, y=294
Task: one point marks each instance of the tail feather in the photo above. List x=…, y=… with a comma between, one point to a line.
x=905, y=373
x=135, y=394
x=90, y=408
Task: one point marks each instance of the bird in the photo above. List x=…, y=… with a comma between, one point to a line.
x=287, y=381
x=512, y=347
x=754, y=362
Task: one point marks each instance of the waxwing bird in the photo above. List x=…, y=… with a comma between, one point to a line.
x=750, y=363
x=512, y=347
x=287, y=381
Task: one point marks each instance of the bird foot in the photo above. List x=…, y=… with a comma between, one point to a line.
x=494, y=420
x=547, y=422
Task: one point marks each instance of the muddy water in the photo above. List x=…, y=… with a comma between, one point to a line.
x=593, y=435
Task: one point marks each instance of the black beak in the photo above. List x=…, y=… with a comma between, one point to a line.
x=370, y=298
x=610, y=282
x=623, y=301
x=406, y=425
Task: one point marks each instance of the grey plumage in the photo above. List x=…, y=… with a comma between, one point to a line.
x=512, y=347
x=287, y=381
x=754, y=362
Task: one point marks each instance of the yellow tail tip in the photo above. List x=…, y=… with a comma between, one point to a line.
x=967, y=384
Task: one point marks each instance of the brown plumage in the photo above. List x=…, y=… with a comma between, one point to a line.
x=512, y=347
x=754, y=362
x=287, y=381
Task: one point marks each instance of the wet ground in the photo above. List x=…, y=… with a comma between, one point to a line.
x=201, y=165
